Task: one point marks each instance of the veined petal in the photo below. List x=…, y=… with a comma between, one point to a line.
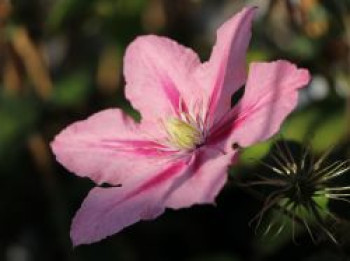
x=106, y=146
x=157, y=72
x=207, y=174
x=106, y=211
x=225, y=72
x=270, y=95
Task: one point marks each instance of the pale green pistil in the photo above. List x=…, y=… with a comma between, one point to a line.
x=183, y=135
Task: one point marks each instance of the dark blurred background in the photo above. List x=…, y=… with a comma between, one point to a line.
x=61, y=60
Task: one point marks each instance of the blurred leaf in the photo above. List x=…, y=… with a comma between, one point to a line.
x=329, y=132
x=105, y=8
x=17, y=119
x=72, y=89
x=65, y=10
x=298, y=125
x=303, y=47
x=251, y=155
x=257, y=55
x=322, y=125
x=128, y=7
x=10, y=128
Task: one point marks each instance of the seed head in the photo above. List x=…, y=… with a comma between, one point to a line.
x=299, y=185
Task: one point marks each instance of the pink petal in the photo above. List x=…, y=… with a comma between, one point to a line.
x=105, y=148
x=157, y=72
x=107, y=211
x=206, y=177
x=270, y=95
x=225, y=72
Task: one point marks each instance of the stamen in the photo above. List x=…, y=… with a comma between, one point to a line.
x=183, y=133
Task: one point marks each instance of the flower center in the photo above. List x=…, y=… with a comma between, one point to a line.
x=183, y=133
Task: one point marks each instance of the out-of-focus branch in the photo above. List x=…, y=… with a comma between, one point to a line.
x=41, y=157
x=33, y=61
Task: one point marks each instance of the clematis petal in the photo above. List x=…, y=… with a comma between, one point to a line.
x=157, y=72
x=270, y=95
x=105, y=148
x=225, y=72
x=106, y=211
x=206, y=177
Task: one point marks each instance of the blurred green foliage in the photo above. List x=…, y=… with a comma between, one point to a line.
x=61, y=60
x=72, y=90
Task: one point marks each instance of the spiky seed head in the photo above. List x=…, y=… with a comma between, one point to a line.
x=298, y=183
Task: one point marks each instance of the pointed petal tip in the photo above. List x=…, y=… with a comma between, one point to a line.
x=241, y=19
x=226, y=68
x=75, y=243
x=80, y=237
x=75, y=240
x=250, y=8
x=74, y=236
x=78, y=241
x=246, y=15
x=249, y=11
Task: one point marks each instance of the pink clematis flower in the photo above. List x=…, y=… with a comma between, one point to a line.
x=178, y=155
